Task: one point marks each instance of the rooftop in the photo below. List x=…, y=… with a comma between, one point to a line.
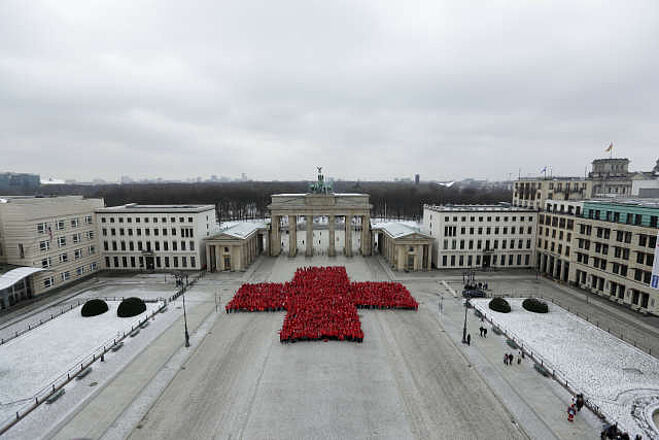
x=137, y=208
x=397, y=230
x=242, y=229
x=477, y=208
x=577, y=179
x=645, y=203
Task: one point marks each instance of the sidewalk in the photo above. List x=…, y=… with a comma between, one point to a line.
x=538, y=403
x=98, y=414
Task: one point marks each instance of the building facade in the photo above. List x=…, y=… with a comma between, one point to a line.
x=155, y=237
x=555, y=239
x=481, y=236
x=533, y=192
x=57, y=234
x=611, y=176
x=236, y=247
x=404, y=247
x=614, y=250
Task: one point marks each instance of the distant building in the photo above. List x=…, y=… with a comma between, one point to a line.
x=611, y=177
x=155, y=237
x=54, y=234
x=475, y=236
x=19, y=182
x=533, y=192
x=417, y=179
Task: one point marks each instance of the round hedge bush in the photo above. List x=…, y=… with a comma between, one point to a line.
x=499, y=305
x=94, y=307
x=535, y=305
x=130, y=307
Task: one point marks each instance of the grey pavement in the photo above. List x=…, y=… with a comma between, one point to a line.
x=406, y=380
x=410, y=378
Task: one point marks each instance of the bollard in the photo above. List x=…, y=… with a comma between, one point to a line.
x=53, y=387
x=36, y=400
x=68, y=376
x=102, y=357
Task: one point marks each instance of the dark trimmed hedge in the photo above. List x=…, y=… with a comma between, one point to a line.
x=94, y=307
x=499, y=305
x=131, y=307
x=535, y=305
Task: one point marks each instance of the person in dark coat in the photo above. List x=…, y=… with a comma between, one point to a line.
x=485, y=332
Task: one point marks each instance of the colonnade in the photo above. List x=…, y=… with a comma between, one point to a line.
x=275, y=234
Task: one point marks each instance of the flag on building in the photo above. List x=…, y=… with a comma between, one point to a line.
x=544, y=170
x=654, y=282
x=609, y=148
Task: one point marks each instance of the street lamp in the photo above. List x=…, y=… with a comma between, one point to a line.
x=464, y=328
x=185, y=321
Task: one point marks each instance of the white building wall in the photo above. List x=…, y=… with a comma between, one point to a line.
x=463, y=234
x=174, y=238
x=55, y=233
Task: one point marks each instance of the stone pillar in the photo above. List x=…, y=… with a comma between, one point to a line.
x=332, y=239
x=275, y=236
x=292, y=235
x=348, y=238
x=366, y=236
x=208, y=257
x=309, y=251
x=218, y=258
x=429, y=247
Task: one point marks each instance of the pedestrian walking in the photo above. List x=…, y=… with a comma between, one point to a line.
x=510, y=359
x=505, y=359
x=485, y=332
x=480, y=329
x=571, y=411
x=469, y=339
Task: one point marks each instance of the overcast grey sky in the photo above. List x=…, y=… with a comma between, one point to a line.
x=380, y=89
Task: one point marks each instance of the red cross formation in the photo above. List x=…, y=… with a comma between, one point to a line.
x=321, y=303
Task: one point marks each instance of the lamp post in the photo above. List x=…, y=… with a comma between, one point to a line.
x=464, y=328
x=185, y=321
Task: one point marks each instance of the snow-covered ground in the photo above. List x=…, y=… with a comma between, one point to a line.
x=33, y=360
x=620, y=379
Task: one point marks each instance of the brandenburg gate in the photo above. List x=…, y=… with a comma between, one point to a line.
x=320, y=201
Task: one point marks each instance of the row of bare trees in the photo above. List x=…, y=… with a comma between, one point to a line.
x=248, y=200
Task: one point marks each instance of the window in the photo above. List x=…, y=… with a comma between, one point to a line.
x=59, y=225
x=74, y=222
x=77, y=254
x=182, y=245
x=184, y=262
x=46, y=263
x=43, y=246
x=90, y=235
x=63, y=258
x=76, y=238
x=48, y=282
x=80, y=270
x=88, y=219
x=41, y=228
x=174, y=247
x=91, y=250
x=65, y=276
x=93, y=267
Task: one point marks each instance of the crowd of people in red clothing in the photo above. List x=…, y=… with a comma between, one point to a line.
x=261, y=297
x=321, y=303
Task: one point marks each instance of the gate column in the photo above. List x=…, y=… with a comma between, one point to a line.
x=309, y=252
x=332, y=240
x=292, y=235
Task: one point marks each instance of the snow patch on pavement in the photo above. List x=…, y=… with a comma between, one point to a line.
x=620, y=379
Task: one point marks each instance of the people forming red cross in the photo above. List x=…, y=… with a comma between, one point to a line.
x=321, y=303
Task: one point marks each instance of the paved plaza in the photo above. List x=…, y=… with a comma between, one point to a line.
x=410, y=378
